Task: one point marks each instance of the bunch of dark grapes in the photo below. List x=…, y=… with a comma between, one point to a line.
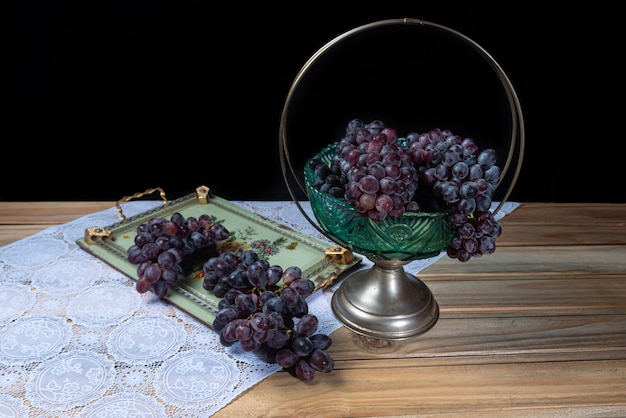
x=381, y=175
x=167, y=249
x=371, y=170
x=264, y=309
x=456, y=171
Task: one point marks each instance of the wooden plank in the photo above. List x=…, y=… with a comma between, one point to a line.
x=568, y=388
x=530, y=261
x=569, y=214
x=47, y=213
x=474, y=339
x=564, y=224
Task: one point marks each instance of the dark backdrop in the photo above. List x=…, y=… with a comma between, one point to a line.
x=103, y=99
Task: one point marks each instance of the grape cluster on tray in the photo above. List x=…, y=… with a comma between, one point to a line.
x=163, y=249
x=383, y=175
x=262, y=307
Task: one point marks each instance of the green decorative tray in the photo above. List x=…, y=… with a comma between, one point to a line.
x=279, y=244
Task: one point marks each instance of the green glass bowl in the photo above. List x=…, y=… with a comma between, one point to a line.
x=413, y=236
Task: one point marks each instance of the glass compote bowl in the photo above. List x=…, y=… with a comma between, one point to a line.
x=383, y=301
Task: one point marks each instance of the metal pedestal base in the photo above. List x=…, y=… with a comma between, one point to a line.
x=385, y=302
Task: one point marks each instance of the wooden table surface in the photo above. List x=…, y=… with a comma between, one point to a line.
x=537, y=329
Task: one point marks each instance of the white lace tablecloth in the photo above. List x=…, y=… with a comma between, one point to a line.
x=77, y=339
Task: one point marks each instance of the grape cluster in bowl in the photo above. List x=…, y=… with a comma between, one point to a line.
x=382, y=175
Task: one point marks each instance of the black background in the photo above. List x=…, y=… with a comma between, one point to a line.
x=107, y=98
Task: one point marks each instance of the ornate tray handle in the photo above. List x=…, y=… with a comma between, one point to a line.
x=137, y=196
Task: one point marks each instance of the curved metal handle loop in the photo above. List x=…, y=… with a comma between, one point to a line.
x=137, y=196
x=517, y=129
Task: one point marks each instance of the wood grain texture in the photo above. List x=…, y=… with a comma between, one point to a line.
x=536, y=330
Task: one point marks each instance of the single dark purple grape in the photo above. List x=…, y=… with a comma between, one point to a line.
x=321, y=361
x=152, y=273
x=256, y=276
x=265, y=296
x=157, y=229
x=388, y=185
x=227, y=315
x=275, y=304
x=468, y=190
x=303, y=286
x=304, y=371
x=249, y=257
x=384, y=203
x=300, y=309
x=279, y=339
x=239, y=280
x=243, y=330
x=469, y=146
x=142, y=238
x=142, y=285
x=306, y=326
x=476, y=172
x=487, y=245
x=177, y=218
x=321, y=341
x=456, y=242
x=228, y=331
x=231, y=295
x=412, y=206
x=220, y=232
x=492, y=174
x=160, y=289
x=487, y=158
x=466, y=206
x=470, y=245
x=290, y=274
x=367, y=201
x=286, y=358
x=483, y=202
x=210, y=280
x=169, y=275
x=261, y=337
x=369, y=184
x=219, y=290
x=250, y=344
x=135, y=255
x=166, y=259
x=376, y=216
x=260, y=322
x=337, y=192
x=467, y=230
x=221, y=267
x=244, y=304
x=192, y=223
x=463, y=255
x=290, y=296
x=223, y=340
x=171, y=228
x=460, y=170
